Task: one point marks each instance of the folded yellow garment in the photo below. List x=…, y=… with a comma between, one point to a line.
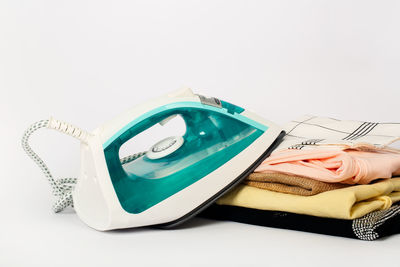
x=346, y=203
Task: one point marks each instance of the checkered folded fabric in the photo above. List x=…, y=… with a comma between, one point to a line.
x=376, y=224
x=373, y=226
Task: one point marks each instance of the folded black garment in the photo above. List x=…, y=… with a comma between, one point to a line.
x=370, y=227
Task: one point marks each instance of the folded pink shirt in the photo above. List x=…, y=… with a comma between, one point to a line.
x=332, y=166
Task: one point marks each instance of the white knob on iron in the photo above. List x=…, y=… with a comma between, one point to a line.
x=165, y=147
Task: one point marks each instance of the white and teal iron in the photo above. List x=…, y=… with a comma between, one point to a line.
x=177, y=177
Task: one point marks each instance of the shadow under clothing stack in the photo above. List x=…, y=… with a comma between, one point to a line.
x=327, y=176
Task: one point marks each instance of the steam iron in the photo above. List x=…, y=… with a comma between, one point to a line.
x=177, y=177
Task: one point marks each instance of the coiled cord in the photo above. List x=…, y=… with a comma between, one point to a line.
x=63, y=187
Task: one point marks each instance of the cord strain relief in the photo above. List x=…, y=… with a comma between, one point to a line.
x=69, y=129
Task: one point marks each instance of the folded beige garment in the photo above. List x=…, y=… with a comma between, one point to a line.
x=290, y=184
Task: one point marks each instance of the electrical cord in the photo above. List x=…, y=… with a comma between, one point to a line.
x=63, y=187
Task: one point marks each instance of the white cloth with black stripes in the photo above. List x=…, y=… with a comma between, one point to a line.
x=310, y=132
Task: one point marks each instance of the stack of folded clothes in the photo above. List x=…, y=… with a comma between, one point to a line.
x=327, y=176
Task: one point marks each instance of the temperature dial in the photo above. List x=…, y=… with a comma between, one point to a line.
x=165, y=147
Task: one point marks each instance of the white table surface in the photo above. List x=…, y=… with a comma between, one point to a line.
x=84, y=61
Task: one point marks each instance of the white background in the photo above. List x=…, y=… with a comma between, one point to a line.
x=86, y=61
